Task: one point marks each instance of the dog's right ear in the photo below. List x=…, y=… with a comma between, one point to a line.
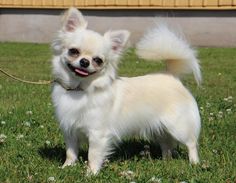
x=73, y=19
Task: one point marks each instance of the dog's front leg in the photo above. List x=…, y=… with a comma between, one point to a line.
x=98, y=150
x=71, y=141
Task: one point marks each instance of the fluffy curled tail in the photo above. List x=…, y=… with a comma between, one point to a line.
x=160, y=43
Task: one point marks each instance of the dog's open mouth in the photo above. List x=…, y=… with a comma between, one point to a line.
x=79, y=71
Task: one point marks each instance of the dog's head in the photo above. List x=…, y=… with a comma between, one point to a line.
x=84, y=53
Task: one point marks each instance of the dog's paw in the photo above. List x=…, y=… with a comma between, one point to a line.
x=91, y=172
x=69, y=162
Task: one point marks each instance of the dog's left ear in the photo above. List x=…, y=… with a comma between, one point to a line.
x=118, y=39
x=73, y=19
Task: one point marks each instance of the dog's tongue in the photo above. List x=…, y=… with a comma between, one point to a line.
x=81, y=72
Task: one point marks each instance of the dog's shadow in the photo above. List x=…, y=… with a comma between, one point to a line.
x=56, y=153
x=124, y=151
x=133, y=148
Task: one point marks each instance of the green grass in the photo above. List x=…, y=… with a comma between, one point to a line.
x=33, y=149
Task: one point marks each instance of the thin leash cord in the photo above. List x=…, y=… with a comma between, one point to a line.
x=25, y=81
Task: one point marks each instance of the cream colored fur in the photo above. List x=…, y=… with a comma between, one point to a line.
x=107, y=107
x=160, y=43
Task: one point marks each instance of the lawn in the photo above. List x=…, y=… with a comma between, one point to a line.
x=32, y=147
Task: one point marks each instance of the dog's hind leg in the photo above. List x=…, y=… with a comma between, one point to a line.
x=166, y=150
x=193, y=152
x=167, y=144
x=188, y=138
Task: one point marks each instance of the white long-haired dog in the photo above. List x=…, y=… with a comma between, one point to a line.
x=92, y=103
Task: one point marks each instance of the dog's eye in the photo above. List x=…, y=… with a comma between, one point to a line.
x=98, y=61
x=73, y=52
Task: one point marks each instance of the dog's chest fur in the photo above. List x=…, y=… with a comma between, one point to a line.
x=79, y=110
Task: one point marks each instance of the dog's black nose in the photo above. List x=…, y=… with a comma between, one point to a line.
x=84, y=63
